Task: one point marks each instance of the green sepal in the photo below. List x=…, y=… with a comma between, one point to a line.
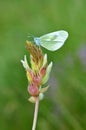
x=41, y=96
x=44, y=60
x=25, y=63
x=32, y=99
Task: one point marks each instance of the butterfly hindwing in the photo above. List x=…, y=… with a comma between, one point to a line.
x=53, y=41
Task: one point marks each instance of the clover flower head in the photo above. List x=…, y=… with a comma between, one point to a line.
x=37, y=72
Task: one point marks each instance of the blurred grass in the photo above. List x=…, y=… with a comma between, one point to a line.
x=64, y=107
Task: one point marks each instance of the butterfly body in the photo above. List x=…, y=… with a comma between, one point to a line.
x=52, y=41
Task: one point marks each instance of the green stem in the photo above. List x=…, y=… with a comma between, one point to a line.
x=35, y=114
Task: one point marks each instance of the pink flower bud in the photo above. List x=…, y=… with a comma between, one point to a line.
x=37, y=79
x=43, y=71
x=33, y=90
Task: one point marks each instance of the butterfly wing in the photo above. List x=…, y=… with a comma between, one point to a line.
x=53, y=41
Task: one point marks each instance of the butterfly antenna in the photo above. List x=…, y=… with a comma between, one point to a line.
x=30, y=36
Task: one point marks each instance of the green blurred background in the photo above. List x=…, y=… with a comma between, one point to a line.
x=64, y=106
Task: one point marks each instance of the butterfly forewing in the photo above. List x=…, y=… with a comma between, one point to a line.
x=53, y=41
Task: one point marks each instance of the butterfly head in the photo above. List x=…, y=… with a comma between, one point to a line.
x=37, y=41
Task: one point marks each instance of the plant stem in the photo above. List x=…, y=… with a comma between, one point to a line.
x=35, y=114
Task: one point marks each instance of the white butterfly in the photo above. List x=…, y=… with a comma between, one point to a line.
x=52, y=41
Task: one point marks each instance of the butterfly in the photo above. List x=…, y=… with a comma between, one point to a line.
x=52, y=41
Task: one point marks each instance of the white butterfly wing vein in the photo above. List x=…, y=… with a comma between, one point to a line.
x=54, y=40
